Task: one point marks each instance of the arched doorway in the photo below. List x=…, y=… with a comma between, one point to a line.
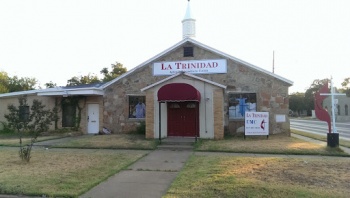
x=182, y=109
x=183, y=119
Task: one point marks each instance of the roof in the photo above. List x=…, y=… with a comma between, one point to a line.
x=191, y=40
x=87, y=89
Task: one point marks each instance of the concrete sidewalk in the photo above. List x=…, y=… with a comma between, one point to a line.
x=149, y=177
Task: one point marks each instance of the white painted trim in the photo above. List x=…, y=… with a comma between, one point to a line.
x=57, y=91
x=186, y=74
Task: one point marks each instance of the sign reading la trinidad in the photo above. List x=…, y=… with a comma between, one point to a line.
x=216, y=66
x=256, y=123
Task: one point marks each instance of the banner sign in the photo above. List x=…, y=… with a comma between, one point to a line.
x=192, y=66
x=256, y=123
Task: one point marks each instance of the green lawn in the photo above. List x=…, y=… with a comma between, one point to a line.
x=228, y=176
x=13, y=140
x=275, y=144
x=116, y=141
x=60, y=172
x=70, y=172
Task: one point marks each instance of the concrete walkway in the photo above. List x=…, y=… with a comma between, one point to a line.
x=149, y=177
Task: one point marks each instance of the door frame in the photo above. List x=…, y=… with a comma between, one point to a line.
x=89, y=129
x=184, y=109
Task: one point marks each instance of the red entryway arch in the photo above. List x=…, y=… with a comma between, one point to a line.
x=178, y=92
x=183, y=109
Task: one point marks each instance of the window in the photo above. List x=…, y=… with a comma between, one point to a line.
x=174, y=106
x=188, y=51
x=68, y=114
x=137, y=107
x=239, y=103
x=24, y=113
x=346, y=110
x=338, y=109
x=191, y=105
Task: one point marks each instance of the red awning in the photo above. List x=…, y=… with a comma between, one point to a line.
x=178, y=92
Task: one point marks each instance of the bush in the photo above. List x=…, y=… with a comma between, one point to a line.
x=5, y=129
x=141, y=129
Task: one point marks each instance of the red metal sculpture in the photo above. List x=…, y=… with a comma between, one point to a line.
x=320, y=112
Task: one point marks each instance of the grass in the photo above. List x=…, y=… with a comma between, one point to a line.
x=13, y=139
x=71, y=172
x=117, y=141
x=228, y=176
x=320, y=137
x=275, y=144
x=60, y=172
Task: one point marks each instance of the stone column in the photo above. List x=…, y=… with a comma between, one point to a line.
x=149, y=115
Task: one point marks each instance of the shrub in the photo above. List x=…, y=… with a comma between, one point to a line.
x=5, y=129
x=141, y=129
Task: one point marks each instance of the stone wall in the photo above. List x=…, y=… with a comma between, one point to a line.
x=272, y=93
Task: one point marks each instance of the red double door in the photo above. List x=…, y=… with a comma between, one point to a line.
x=183, y=119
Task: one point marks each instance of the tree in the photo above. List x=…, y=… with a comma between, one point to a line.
x=50, y=85
x=117, y=70
x=21, y=84
x=81, y=80
x=345, y=88
x=12, y=84
x=310, y=93
x=297, y=102
x=4, y=79
x=33, y=122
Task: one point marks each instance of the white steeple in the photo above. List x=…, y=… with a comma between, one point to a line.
x=188, y=23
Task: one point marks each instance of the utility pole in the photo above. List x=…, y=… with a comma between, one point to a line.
x=273, y=61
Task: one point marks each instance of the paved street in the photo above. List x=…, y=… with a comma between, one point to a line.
x=320, y=127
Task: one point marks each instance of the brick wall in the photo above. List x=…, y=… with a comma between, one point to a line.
x=149, y=115
x=218, y=114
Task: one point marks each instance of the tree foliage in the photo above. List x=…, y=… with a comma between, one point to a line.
x=305, y=101
x=117, y=69
x=50, y=85
x=4, y=80
x=15, y=83
x=310, y=93
x=297, y=102
x=81, y=80
x=345, y=86
x=31, y=122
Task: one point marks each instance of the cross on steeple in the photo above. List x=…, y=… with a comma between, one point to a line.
x=188, y=23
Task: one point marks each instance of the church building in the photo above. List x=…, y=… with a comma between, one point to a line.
x=188, y=90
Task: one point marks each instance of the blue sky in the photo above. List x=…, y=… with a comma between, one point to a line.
x=54, y=40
